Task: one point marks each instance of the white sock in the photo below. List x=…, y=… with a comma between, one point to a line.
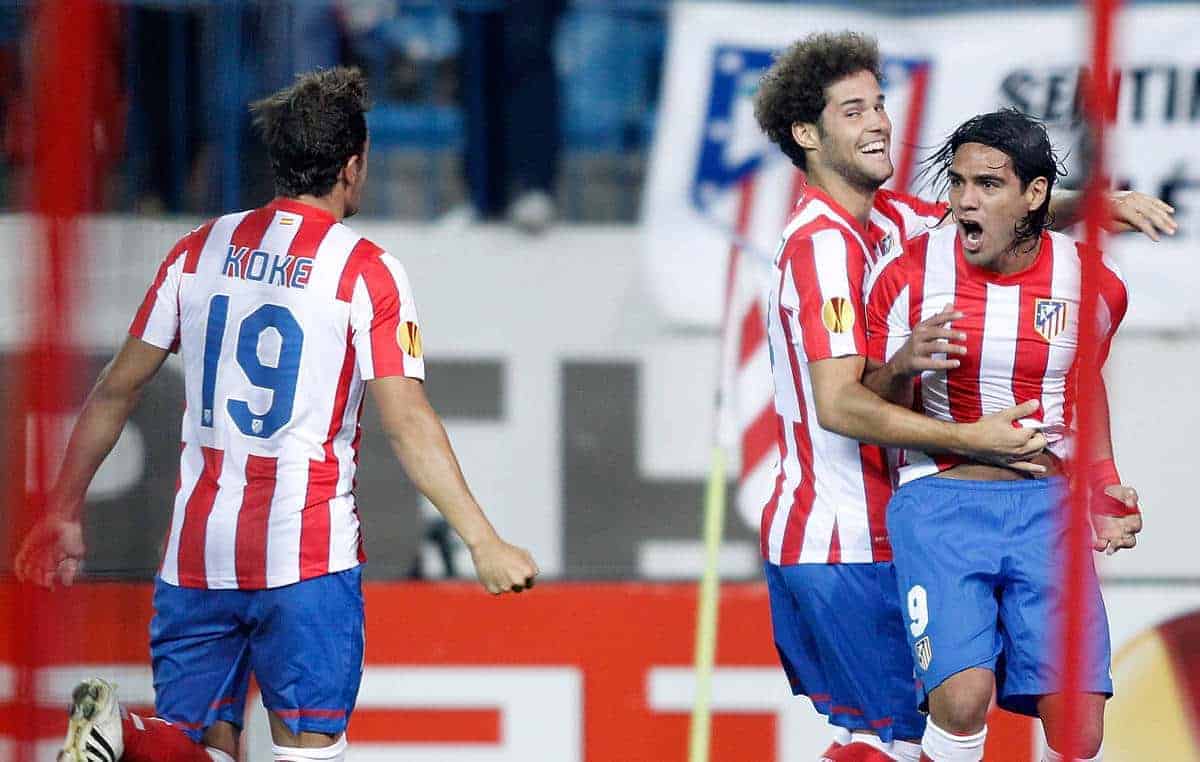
x=906, y=751
x=218, y=755
x=1050, y=755
x=840, y=735
x=334, y=753
x=941, y=746
x=873, y=741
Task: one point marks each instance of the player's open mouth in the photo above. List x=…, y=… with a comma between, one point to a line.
x=972, y=235
x=874, y=148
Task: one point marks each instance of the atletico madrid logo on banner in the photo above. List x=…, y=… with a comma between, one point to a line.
x=1049, y=317
x=732, y=147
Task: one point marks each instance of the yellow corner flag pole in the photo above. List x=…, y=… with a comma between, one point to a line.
x=714, y=510
x=706, y=610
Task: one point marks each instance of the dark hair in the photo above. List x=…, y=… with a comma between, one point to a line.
x=1019, y=136
x=793, y=89
x=312, y=128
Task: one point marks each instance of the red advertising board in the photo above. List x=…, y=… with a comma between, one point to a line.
x=569, y=671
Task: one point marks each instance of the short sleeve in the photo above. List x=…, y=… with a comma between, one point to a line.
x=914, y=216
x=887, y=307
x=384, y=327
x=821, y=294
x=157, y=319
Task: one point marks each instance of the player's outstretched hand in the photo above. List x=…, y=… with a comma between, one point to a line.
x=52, y=551
x=1130, y=210
x=931, y=337
x=503, y=568
x=1112, y=533
x=1001, y=439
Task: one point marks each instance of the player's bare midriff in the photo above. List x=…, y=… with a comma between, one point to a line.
x=989, y=473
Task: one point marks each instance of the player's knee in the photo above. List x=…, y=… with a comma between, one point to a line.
x=960, y=705
x=221, y=737
x=1089, y=739
x=1088, y=733
x=964, y=720
x=961, y=713
x=1090, y=748
x=336, y=752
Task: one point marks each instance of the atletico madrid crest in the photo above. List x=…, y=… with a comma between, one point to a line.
x=924, y=652
x=1049, y=317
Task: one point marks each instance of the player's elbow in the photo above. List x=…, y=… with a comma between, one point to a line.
x=411, y=425
x=115, y=388
x=836, y=386
x=831, y=412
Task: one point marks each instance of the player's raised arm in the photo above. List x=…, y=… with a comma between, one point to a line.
x=420, y=443
x=1127, y=211
x=54, y=548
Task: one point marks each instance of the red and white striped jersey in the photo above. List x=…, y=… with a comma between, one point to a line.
x=1021, y=328
x=830, y=492
x=898, y=217
x=280, y=315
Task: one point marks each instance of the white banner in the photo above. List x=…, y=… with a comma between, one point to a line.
x=712, y=168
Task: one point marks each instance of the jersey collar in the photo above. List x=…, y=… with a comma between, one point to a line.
x=309, y=211
x=872, y=236
x=980, y=273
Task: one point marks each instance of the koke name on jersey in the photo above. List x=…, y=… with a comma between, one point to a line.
x=267, y=267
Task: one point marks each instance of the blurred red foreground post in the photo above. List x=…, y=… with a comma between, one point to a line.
x=1098, y=100
x=64, y=36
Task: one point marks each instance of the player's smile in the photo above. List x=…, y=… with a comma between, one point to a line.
x=875, y=147
x=878, y=157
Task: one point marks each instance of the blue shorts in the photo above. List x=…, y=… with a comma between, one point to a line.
x=303, y=642
x=840, y=637
x=979, y=567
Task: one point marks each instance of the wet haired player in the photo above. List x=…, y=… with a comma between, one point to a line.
x=978, y=546
x=283, y=317
x=838, y=630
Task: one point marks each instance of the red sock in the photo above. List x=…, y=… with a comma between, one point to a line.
x=924, y=758
x=827, y=754
x=153, y=740
x=858, y=752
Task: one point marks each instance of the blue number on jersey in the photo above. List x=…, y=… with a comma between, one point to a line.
x=280, y=379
